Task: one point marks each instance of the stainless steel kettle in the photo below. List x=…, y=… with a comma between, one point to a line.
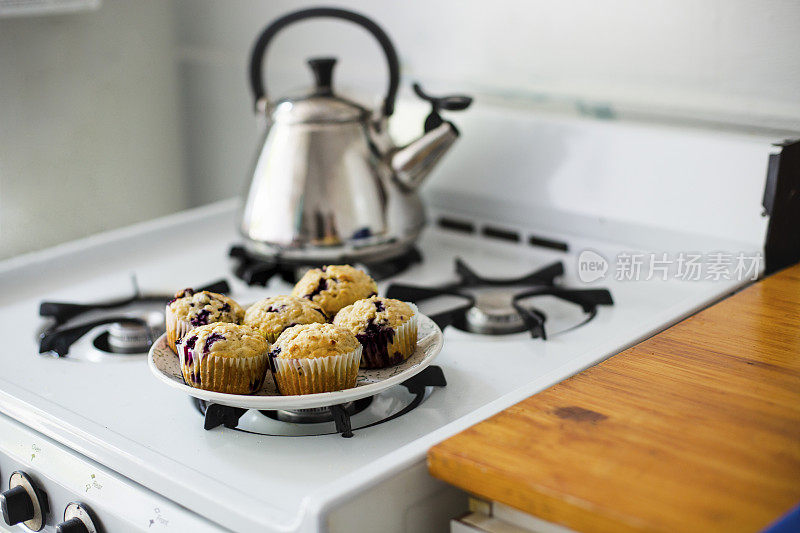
x=328, y=184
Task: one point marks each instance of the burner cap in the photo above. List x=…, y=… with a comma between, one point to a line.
x=128, y=337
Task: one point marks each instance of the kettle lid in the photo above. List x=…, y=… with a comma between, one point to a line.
x=321, y=106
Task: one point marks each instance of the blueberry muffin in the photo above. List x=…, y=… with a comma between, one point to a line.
x=335, y=286
x=224, y=357
x=386, y=328
x=190, y=309
x=315, y=358
x=272, y=315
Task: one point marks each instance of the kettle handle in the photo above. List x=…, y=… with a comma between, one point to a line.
x=260, y=48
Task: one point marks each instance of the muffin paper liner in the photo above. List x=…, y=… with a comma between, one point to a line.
x=234, y=375
x=176, y=329
x=319, y=374
x=393, y=346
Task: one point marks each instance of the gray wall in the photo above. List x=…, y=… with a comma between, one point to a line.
x=89, y=123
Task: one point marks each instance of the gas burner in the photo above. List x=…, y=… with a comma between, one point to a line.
x=341, y=419
x=255, y=269
x=493, y=313
x=131, y=336
x=124, y=326
x=500, y=306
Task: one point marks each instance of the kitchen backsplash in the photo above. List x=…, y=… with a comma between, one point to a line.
x=733, y=62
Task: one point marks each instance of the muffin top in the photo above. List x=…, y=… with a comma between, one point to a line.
x=314, y=340
x=201, y=308
x=272, y=315
x=377, y=310
x=335, y=286
x=225, y=340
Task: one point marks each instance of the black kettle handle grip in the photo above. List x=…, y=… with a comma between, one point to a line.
x=260, y=48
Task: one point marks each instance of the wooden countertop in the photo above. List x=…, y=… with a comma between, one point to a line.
x=694, y=429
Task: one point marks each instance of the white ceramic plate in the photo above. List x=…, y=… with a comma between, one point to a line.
x=165, y=366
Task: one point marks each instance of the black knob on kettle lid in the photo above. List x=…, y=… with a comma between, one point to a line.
x=453, y=102
x=322, y=67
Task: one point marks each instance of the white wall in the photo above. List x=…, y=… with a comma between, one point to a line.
x=728, y=62
x=89, y=123
x=142, y=107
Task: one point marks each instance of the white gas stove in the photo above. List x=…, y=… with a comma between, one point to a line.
x=98, y=428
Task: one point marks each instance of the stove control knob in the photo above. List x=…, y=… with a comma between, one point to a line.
x=73, y=525
x=77, y=519
x=24, y=503
x=17, y=505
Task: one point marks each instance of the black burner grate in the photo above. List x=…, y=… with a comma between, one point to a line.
x=216, y=415
x=257, y=270
x=539, y=283
x=66, y=326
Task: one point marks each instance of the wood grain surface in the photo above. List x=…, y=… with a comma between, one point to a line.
x=694, y=429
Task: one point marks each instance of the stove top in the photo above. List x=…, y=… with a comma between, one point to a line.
x=525, y=193
x=124, y=419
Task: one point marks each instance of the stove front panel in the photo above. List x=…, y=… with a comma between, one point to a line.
x=118, y=504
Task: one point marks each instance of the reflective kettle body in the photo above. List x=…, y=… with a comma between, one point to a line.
x=328, y=183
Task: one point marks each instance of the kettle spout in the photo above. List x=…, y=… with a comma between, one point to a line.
x=412, y=163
